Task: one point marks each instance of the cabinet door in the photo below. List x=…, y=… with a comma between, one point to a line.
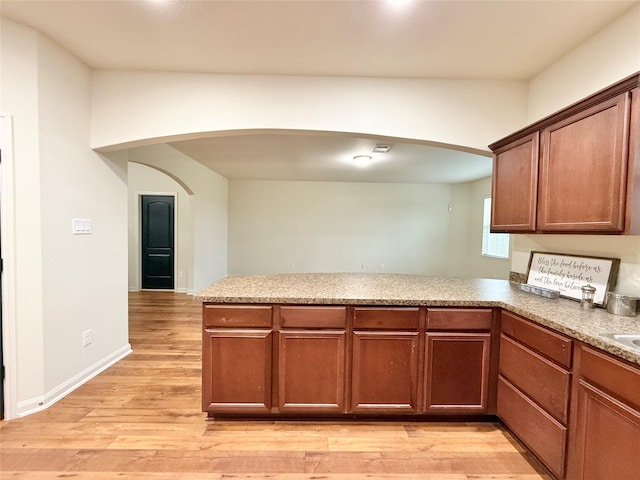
x=607, y=436
x=384, y=372
x=311, y=371
x=236, y=371
x=457, y=372
x=515, y=186
x=583, y=171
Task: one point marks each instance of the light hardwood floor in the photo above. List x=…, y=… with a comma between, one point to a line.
x=141, y=419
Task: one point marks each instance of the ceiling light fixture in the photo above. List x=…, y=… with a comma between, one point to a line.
x=362, y=161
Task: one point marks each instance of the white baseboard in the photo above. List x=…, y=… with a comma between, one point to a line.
x=36, y=404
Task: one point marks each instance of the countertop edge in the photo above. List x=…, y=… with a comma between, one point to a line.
x=595, y=340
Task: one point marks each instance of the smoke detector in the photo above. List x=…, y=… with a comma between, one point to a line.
x=379, y=148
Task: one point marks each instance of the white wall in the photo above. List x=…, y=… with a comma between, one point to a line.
x=131, y=107
x=326, y=226
x=602, y=60
x=609, y=56
x=465, y=253
x=18, y=89
x=145, y=180
x=65, y=284
x=208, y=207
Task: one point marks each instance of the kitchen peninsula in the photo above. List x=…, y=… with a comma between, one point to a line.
x=363, y=345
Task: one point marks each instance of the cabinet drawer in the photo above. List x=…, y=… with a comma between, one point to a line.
x=613, y=376
x=540, y=379
x=386, y=318
x=313, y=317
x=546, y=438
x=549, y=344
x=252, y=316
x=459, y=319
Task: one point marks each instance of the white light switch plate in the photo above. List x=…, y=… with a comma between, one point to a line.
x=81, y=226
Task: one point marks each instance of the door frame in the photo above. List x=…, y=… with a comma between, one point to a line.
x=9, y=323
x=139, y=196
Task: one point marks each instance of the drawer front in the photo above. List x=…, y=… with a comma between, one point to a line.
x=313, y=317
x=613, y=376
x=549, y=344
x=386, y=318
x=477, y=319
x=540, y=379
x=546, y=438
x=252, y=316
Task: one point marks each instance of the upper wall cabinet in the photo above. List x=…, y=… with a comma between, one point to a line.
x=577, y=171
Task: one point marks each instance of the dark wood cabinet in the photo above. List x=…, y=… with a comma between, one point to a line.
x=236, y=371
x=311, y=371
x=583, y=170
x=458, y=360
x=237, y=350
x=386, y=352
x=534, y=386
x=385, y=372
x=514, y=195
x=574, y=171
x=457, y=372
x=607, y=427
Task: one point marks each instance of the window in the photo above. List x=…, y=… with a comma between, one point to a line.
x=493, y=244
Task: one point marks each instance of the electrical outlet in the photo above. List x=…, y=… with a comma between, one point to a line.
x=87, y=338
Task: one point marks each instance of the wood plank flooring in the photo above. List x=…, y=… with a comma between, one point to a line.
x=141, y=419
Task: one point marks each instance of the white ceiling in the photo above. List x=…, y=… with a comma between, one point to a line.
x=479, y=39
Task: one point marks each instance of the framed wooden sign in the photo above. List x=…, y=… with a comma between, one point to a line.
x=569, y=273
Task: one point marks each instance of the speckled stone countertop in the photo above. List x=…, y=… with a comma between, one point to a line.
x=562, y=315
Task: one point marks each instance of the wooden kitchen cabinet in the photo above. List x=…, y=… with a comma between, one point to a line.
x=583, y=170
x=311, y=359
x=236, y=359
x=385, y=366
x=575, y=171
x=236, y=371
x=457, y=372
x=457, y=360
x=514, y=196
x=534, y=386
x=607, y=427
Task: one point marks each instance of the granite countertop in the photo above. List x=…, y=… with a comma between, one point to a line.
x=561, y=314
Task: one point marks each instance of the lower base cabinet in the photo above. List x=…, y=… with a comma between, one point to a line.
x=544, y=435
x=607, y=440
x=236, y=371
x=311, y=371
x=385, y=372
x=457, y=372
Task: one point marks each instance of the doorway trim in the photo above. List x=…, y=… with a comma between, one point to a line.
x=9, y=321
x=176, y=275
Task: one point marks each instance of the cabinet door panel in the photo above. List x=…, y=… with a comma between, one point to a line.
x=607, y=437
x=541, y=380
x=544, y=435
x=583, y=171
x=311, y=371
x=236, y=374
x=514, y=188
x=385, y=372
x=457, y=372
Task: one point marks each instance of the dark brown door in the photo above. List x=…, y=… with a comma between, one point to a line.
x=158, y=241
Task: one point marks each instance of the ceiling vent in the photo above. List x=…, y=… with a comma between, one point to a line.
x=381, y=148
